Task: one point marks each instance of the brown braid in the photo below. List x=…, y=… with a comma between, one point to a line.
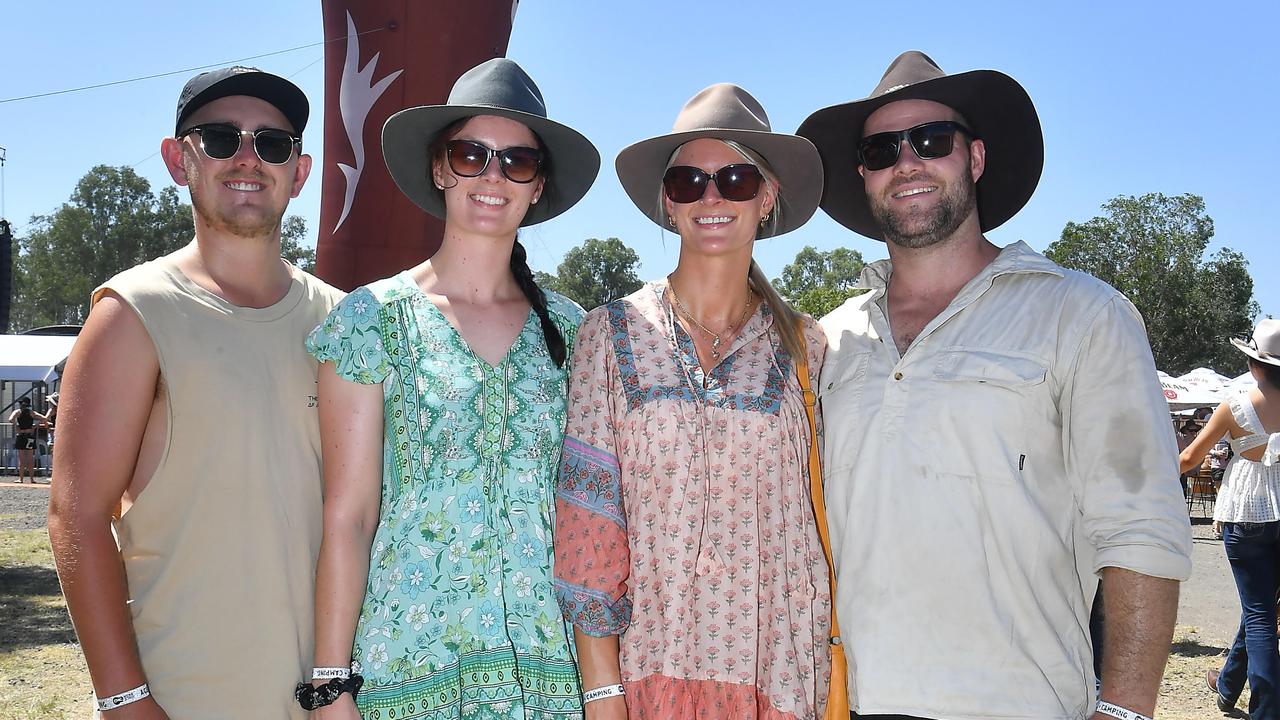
x=538, y=299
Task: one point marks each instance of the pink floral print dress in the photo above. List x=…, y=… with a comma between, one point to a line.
x=684, y=522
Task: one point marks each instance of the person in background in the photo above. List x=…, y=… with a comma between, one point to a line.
x=442, y=410
x=51, y=418
x=191, y=407
x=1247, y=513
x=24, y=421
x=687, y=554
x=1186, y=433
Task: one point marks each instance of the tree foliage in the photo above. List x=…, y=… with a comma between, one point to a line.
x=818, y=282
x=111, y=222
x=292, y=232
x=595, y=273
x=1151, y=248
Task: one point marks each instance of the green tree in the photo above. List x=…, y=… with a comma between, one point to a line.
x=292, y=233
x=595, y=273
x=112, y=221
x=1151, y=248
x=818, y=282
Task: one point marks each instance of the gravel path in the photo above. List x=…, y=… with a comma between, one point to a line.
x=23, y=507
x=1208, y=600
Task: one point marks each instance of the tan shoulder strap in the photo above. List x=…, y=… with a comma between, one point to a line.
x=815, y=485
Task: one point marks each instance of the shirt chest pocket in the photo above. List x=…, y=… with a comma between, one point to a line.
x=993, y=396
x=840, y=391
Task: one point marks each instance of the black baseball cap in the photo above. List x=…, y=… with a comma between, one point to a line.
x=239, y=80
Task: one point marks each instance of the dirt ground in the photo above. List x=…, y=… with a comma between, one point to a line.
x=43, y=676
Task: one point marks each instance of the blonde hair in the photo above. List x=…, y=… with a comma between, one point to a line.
x=786, y=320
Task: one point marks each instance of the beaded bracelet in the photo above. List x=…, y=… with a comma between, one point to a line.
x=311, y=697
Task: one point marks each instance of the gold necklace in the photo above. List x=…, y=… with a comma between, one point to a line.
x=716, y=338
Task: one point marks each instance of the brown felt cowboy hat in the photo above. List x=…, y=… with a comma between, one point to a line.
x=727, y=112
x=1264, y=344
x=994, y=106
x=495, y=87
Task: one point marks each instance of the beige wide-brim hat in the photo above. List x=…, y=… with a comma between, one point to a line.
x=997, y=109
x=1264, y=344
x=495, y=87
x=726, y=112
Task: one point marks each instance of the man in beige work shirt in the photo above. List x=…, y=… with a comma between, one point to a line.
x=996, y=438
x=190, y=399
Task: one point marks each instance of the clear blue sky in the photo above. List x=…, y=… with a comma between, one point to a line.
x=1134, y=97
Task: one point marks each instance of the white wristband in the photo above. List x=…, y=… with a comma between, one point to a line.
x=124, y=698
x=601, y=693
x=1116, y=711
x=329, y=673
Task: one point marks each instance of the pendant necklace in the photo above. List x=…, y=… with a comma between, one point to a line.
x=716, y=338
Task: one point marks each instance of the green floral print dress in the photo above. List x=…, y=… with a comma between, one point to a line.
x=459, y=619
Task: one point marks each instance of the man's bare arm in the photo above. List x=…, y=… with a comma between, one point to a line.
x=108, y=390
x=1139, y=613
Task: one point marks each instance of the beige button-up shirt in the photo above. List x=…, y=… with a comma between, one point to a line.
x=977, y=484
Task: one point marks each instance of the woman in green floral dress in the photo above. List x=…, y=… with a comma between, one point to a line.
x=434, y=579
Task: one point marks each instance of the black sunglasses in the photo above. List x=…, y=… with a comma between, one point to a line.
x=930, y=141
x=736, y=183
x=221, y=141
x=469, y=158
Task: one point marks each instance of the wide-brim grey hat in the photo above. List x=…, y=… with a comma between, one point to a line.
x=726, y=112
x=1264, y=344
x=495, y=87
x=997, y=109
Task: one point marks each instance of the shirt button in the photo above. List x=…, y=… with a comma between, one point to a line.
x=897, y=376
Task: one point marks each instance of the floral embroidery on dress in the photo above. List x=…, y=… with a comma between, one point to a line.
x=460, y=618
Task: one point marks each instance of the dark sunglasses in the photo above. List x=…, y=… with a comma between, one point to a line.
x=930, y=141
x=469, y=158
x=736, y=183
x=221, y=141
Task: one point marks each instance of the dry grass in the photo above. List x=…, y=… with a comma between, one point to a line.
x=42, y=673
x=43, y=676
x=1183, y=693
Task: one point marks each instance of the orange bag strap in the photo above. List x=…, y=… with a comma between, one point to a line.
x=815, y=486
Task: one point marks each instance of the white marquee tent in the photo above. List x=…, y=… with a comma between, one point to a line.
x=33, y=358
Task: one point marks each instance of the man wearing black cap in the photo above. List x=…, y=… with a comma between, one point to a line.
x=189, y=403
x=996, y=437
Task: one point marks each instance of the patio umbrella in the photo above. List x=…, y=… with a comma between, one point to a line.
x=1182, y=396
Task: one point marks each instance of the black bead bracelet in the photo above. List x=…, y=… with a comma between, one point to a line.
x=311, y=697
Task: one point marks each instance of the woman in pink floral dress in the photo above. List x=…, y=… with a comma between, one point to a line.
x=687, y=557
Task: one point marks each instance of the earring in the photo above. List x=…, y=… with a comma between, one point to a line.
x=765, y=218
x=671, y=221
x=535, y=201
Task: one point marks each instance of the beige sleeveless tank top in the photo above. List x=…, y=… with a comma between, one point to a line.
x=220, y=546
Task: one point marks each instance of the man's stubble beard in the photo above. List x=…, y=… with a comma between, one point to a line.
x=912, y=231
x=239, y=225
